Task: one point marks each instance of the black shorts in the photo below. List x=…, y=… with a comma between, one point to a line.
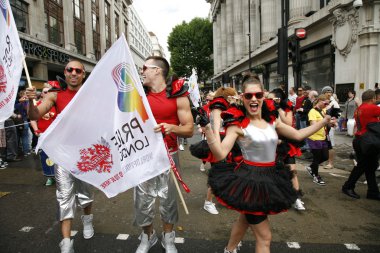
x=255, y=219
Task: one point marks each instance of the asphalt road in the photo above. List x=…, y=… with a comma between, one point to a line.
x=332, y=222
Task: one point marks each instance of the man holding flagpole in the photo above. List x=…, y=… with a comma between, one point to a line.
x=171, y=109
x=70, y=190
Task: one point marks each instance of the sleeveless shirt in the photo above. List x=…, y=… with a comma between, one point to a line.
x=259, y=145
x=63, y=98
x=165, y=111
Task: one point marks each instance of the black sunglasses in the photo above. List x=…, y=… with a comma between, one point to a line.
x=249, y=95
x=77, y=70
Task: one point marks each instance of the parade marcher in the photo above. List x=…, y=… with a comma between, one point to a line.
x=285, y=112
x=40, y=127
x=223, y=98
x=256, y=187
x=367, y=162
x=206, y=107
x=70, y=190
x=318, y=142
x=171, y=109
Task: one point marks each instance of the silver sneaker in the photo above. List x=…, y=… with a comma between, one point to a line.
x=88, y=228
x=146, y=243
x=167, y=242
x=299, y=205
x=67, y=245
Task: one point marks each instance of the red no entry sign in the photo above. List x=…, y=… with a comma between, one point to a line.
x=300, y=33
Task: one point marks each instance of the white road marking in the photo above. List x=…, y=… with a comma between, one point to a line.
x=122, y=236
x=179, y=240
x=351, y=246
x=73, y=232
x=293, y=245
x=26, y=229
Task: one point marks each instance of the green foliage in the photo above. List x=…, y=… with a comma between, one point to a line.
x=190, y=45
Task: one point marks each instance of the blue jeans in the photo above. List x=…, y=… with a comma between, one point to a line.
x=25, y=138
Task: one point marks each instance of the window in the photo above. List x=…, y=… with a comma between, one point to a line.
x=116, y=27
x=107, y=25
x=54, y=21
x=95, y=28
x=79, y=26
x=21, y=15
x=323, y=3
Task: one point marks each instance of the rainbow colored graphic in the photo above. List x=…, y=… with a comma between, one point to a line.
x=5, y=11
x=128, y=98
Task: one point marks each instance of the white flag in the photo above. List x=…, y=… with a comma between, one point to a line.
x=105, y=135
x=11, y=57
x=193, y=89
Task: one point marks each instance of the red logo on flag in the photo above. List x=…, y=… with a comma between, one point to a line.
x=3, y=80
x=98, y=158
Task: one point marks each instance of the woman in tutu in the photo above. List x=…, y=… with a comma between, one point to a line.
x=258, y=186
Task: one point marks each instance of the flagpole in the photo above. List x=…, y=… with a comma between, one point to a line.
x=179, y=192
x=26, y=72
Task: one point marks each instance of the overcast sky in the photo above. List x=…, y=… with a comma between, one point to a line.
x=161, y=16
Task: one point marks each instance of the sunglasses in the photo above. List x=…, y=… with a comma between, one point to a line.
x=300, y=90
x=249, y=95
x=77, y=70
x=146, y=66
x=45, y=92
x=326, y=103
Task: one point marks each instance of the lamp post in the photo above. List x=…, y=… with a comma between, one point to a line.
x=249, y=35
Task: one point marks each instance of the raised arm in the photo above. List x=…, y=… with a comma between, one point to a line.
x=34, y=112
x=219, y=149
x=298, y=135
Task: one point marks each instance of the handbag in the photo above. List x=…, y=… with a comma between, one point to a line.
x=200, y=149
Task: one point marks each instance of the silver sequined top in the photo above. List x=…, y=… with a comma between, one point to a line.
x=259, y=145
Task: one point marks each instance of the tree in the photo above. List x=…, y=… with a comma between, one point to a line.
x=190, y=46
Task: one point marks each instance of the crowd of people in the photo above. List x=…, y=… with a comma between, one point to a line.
x=251, y=140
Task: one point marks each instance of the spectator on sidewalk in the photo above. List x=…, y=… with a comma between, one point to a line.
x=332, y=108
x=292, y=97
x=297, y=107
x=367, y=162
x=350, y=107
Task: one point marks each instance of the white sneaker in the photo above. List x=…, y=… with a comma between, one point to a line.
x=88, y=228
x=210, y=207
x=67, y=245
x=146, y=243
x=227, y=251
x=167, y=242
x=181, y=147
x=202, y=168
x=298, y=205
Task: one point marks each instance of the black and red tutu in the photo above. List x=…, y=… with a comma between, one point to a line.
x=252, y=188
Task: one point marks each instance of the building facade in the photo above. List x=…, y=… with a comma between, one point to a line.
x=157, y=48
x=52, y=32
x=341, y=48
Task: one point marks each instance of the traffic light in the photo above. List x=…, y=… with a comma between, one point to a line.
x=294, y=54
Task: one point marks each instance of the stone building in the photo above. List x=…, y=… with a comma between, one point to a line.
x=341, y=48
x=52, y=32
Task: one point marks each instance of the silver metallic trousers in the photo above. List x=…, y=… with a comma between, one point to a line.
x=145, y=195
x=71, y=191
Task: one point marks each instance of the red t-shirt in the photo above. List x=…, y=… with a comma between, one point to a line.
x=299, y=101
x=63, y=98
x=364, y=114
x=165, y=111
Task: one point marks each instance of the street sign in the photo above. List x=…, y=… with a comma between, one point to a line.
x=300, y=33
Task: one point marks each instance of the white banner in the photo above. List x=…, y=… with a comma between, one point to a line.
x=105, y=134
x=194, y=89
x=11, y=57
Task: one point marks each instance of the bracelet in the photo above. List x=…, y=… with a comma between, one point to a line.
x=211, y=142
